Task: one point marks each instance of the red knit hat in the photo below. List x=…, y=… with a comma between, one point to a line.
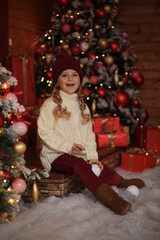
x=63, y=62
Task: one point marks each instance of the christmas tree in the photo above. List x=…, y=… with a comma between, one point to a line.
x=90, y=30
x=12, y=128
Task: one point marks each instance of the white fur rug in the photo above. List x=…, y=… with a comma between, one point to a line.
x=82, y=217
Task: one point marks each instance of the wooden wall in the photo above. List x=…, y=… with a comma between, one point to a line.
x=27, y=20
x=141, y=20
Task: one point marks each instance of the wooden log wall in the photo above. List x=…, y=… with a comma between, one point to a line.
x=141, y=20
x=27, y=20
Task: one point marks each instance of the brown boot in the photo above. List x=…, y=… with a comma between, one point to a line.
x=133, y=181
x=106, y=195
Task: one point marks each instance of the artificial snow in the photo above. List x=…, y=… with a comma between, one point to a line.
x=82, y=217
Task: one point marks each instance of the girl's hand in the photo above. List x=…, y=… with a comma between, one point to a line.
x=77, y=147
x=94, y=161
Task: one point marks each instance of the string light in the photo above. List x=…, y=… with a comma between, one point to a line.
x=88, y=98
x=42, y=79
x=97, y=57
x=101, y=84
x=109, y=87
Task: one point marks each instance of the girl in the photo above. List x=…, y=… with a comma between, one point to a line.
x=69, y=145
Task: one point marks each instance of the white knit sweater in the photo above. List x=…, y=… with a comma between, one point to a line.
x=58, y=136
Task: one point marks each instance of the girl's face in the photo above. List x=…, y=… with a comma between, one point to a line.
x=69, y=81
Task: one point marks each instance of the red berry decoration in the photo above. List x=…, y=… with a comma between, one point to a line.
x=91, y=56
x=66, y=28
x=93, y=79
x=75, y=50
x=101, y=13
x=134, y=73
x=136, y=103
x=101, y=92
x=139, y=80
x=63, y=3
x=125, y=79
x=49, y=74
x=121, y=99
x=1, y=120
x=114, y=46
x=39, y=49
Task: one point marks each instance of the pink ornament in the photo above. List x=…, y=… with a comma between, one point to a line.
x=135, y=73
x=84, y=46
x=19, y=185
x=11, y=96
x=21, y=128
x=93, y=79
x=66, y=28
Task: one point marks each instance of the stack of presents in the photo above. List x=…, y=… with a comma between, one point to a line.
x=113, y=139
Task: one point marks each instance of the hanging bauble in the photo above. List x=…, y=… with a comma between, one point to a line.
x=103, y=43
x=39, y=50
x=66, y=28
x=49, y=58
x=20, y=128
x=49, y=74
x=107, y=8
x=75, y=50
x=1, y=131
x=87, y=4
x=86, y=92
x=12, y=118
x=19, y=147
x=1, y=120
x=84, y=46
x=35, y=192
x=114, y=46
x=91, y=56
x=101, y=92
x=63, y=3
x=19, y=185
x=127, y=51
x=76, y=27
x=124, y=35
x=97, y=27
x=93, y=79
x=145, y=116
x=121, y=99
x=101, y=13
x=134, y=73
x=139, y=80
x=109, y=60
x=11, y=97
x=116, y=77
x=93, y=107
x=136, y=103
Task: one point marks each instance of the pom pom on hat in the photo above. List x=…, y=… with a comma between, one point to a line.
x=63, y=62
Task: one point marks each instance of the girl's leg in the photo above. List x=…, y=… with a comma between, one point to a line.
x=110, y=176
x=74, y=165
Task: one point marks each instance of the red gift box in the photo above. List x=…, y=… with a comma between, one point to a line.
x=22, y=69
x=106, y=124
x=148, y=138
x=137, y=162
x=119, y=139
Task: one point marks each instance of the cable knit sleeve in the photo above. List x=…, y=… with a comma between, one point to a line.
x=52, y=137
x=90, y=143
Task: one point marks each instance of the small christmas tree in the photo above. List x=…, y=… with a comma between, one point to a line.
x=90, y=30
x=12, y=127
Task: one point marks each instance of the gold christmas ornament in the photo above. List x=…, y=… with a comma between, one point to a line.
x=35, y=192
x=107, y=8
x=103, y=43
x=93, y=107
x=1, y=131
x=65, y=47
x=97, y=27
x=116, y=77
x=108, y=60
x=20, y=147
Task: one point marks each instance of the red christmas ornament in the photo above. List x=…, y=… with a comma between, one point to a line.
x=12, y=118
x=127, y=51
x=145, y=116
x=93, y=79
x=114, y=47
x=139, y=80
x=49, y=74
x=134, y=73
x=101, y=13
x=63, y=3
x=1, y=120
x=87, y=4
x=136, y=103
x=66, y=28
x=101, y=92
x=86, y=92
x=75, y=50
x=91, y=55
x=121, y=99
x=76, y=28
x=39, y=49
x=125, y=79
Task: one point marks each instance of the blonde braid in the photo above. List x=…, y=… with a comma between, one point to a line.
x=82, y=106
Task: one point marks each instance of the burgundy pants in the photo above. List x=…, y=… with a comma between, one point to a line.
x=74, y=165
